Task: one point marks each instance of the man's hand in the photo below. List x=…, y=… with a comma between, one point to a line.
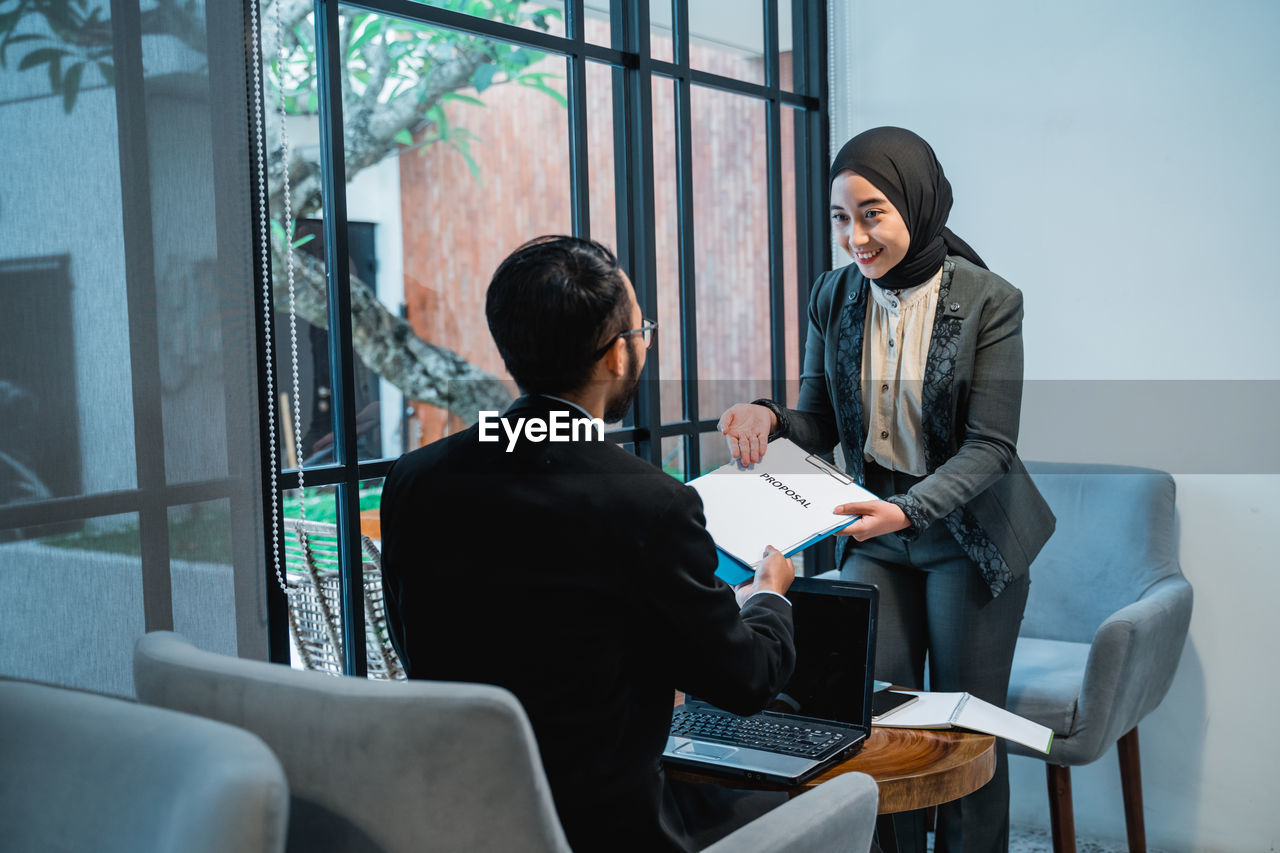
x=774, y=575
x=877, y=519
x=746, y=428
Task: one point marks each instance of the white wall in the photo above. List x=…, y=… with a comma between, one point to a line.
x=1116, y=161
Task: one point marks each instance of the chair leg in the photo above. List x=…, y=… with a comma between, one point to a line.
x=1061, y=818
x=1131, y=787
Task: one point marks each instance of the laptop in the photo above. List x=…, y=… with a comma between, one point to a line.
x=823, y=715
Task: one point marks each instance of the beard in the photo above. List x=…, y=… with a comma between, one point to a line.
x=620, y=404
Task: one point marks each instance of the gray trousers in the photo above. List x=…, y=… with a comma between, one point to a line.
x=935, y=606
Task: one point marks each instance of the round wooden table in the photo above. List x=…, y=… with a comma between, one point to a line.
x=914, y=768
x=918, y=768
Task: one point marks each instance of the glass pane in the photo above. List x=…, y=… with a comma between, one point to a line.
x=201, y=575
x=731, y=219
x=302, y=392
x=726, y=37
x=666, y=216
x=661, y=38
x=546, y=15
x=713, y=451
x=448, y=177
x=382, y=659
x=310, y=574
x=599, y=28
x=66, y=404
x=81, y=604
x=673, y=457
x=786, y=51
x=600, y=163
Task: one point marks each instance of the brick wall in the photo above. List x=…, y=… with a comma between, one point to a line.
x=457, y=229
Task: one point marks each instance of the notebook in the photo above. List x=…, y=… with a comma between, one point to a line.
x=829, y=696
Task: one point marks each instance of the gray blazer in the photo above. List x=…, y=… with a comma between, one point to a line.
x=972, y=402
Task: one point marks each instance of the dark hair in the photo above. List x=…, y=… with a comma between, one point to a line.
x=551, y=305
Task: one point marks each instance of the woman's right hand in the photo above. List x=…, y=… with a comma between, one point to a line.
x=746, y=428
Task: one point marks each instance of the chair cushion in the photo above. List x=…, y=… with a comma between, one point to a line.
x=1115, y=538
x=1044, y=685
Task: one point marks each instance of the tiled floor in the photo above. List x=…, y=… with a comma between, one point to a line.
x=1037, y=841
x=1023, y=840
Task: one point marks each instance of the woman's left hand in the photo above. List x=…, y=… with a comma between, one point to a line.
x=877, y=519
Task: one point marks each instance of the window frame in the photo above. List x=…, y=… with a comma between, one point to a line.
x=633, y=72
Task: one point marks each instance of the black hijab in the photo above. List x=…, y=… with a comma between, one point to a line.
x=902, y=166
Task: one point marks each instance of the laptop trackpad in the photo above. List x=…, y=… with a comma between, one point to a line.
x=707, y=751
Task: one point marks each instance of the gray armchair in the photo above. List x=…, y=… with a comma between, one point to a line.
x=419, y=766
x=83, y=771
x=1105, y=624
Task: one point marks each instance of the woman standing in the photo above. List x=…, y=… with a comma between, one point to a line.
x=913, y=364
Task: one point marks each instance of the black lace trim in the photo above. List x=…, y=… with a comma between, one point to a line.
x=848, y=382
x=915, y=514
x=939, y=378
x=979, y=547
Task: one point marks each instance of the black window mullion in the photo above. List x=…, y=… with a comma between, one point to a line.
x=341, y=356
x=813, y=223
x=579, y=172
x=773, y=157
x=140, y=294
x=810, y=134
x=434, y=16
x=687, y=248
x=637, y=136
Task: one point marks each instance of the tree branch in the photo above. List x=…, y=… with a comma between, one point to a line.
x=388, y=345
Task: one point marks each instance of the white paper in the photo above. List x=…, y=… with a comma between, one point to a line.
x=784, y=500
x=944, y=710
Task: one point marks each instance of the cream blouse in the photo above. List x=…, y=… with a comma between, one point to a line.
x=899, y=328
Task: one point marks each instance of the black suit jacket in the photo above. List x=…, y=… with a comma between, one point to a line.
x=581, y=578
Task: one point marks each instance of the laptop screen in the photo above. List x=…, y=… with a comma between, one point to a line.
x=835, y=629
x=835, y=650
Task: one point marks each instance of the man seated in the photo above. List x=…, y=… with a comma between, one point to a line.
x=571, y=572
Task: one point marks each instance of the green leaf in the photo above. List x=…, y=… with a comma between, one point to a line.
x=302, y=241
x=483, y=78
x=535, y=81
x=71, y=86
x=277, y=230
x=466, y=99
x=472, y=166
x=37, y=57
x=371, y=29
x=404, y=137
x=523, y=57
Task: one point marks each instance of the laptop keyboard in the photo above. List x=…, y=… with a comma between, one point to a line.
x=770, y=734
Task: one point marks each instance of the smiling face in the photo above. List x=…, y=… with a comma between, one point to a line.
x=866, y=225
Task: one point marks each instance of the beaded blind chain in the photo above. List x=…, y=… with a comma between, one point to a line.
x=264, y=215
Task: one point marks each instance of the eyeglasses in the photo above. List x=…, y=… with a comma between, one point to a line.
x=648, y=329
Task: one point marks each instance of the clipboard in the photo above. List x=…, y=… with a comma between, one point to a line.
x=784, y=500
